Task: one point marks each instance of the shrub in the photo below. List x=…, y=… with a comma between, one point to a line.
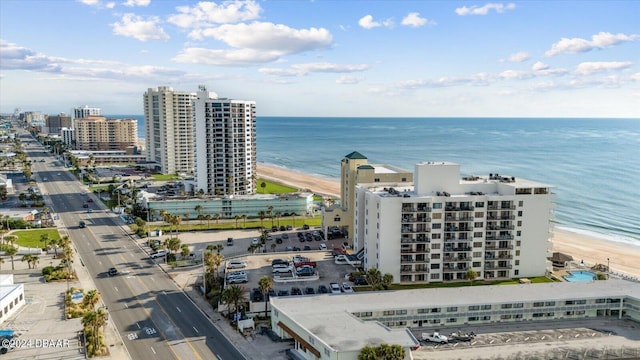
x=47, y=270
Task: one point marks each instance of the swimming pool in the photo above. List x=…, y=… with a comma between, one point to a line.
x=579, y=276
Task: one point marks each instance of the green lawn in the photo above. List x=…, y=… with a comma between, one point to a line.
x=31, y=238
x=227, y=224
x=165, y=177
x=273, y=187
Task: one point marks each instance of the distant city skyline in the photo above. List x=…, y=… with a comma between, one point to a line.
x=327, y=58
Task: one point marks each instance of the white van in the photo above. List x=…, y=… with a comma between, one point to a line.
x=158, y=254
x=235, y=264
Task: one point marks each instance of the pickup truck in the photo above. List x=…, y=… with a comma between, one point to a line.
x=460, y=336
x=435, y=337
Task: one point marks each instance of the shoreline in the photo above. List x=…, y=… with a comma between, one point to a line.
x=623, y=257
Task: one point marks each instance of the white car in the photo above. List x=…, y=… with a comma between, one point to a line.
x=255, y=241
x=322, y=247
x=335, y=288
x=346, y=288
x=234, y=264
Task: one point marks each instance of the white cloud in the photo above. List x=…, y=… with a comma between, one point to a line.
x=367, y=22
x=98, y=3
x=138, y=28
x=349, y=80
x=514, y=74
x=414, y=20
x=635, y=77
x=110, y=5
x=240, y=57
x=14, y=57
x=324, y=67
x=268, y=36
x=207, y=13
x=598, y=41
x=484, y=10
x=132, y=3
x=588, y=68
x=90, y=2
x=539, y=66
x=517, y=57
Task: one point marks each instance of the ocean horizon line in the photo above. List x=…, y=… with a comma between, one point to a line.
x=425, y=117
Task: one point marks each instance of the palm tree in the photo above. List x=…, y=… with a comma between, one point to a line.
x=208, y=218
x=35, y=259
x=45, y=239
x=218, y=248
x=184, y=250
x=270, y=213
x=244, y=221
x=27, y=258
x=175, y=221
x=92, y=298
x=55, y=243
x=217, y=217
x=261, y=215
x=235, y=295
x=198, y=209
x=264, y=284
x=278, y=214
x=387, y=280
x=273, y=247
x=263, y=185
x=11, y=251
x=94, y=320
x=237, y=217
x=374, y=279
x=173, y=244
x=368, y=353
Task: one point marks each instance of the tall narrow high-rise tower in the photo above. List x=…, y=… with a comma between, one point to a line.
x=225, y=143
x=169, y=129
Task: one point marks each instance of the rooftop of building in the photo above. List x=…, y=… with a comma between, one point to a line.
x=329, y=316
x=157, y=197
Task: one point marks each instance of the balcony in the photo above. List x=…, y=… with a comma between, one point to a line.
x=499, y=237
x=499, y=247
x=410, y=260
x=457, y=269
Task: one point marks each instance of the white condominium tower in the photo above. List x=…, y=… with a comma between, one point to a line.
x=225, y=139
x=442, y=226
x=82, y=112
x=169, y=129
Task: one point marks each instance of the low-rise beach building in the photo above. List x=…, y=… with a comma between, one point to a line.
x=11, y=297
x=339, y=326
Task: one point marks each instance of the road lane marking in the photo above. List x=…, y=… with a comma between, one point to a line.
x=194, y=328
x=178, y=309
x=154, y=352
x=219, y=357
x=115, y=288
x=138, y=325
x=127, y=306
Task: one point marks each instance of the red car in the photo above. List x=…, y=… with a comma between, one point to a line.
x=89, y=200
x=305, y=263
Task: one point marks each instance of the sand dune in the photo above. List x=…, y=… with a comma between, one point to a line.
x=623, y=258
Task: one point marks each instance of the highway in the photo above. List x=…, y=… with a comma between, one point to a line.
x=155, y=319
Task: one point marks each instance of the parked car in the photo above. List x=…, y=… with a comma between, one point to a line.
x=296, y=291
x=346, y=288
x=85, y=205
x=309, y=290
x=279, y=262
x=305, y=263
x=283, y=292
x=285, y=236
x=282, y=228
x=306, y=248
x=236, y=264
x=90, y=200
x=323, y=289
x=322, y=247
x=278, y=240
x=282, y=269
x=335, y=288
x=274, y=228
x=240, y=273
x=305, y=227
x=158, y=254
x=256, y=295
x=305, y=271
x=238, y=280
x=289, y=227
x=360, y=280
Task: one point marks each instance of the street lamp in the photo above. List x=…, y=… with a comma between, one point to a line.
x=608, y=269
x=204, y=276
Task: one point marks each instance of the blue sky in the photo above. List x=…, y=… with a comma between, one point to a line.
x=327, y=58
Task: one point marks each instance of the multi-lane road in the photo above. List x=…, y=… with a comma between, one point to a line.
x=155, y=319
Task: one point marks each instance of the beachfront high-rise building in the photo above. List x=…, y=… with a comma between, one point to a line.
x=442, y=226
x=169, y=129
x=355, y=169
x=225, y=143
x=82, y=112
x=96, y=133
x=55, y=123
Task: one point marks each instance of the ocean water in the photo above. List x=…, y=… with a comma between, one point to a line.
x=593, y=164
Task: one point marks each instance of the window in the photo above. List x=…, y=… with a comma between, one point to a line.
x=506, y=306
x=516, y=272
x=518, y=305
x=519, y=233
x=404, y=179
x=452, y=320
x=479, y=214
x=519, y=222
x=435, y=256
x=436, y=216
x=517, y=262
x=477, y=234
x=486, y=318
x=376, y=180
x=474, y=308
x=477, y=254
x=476, y=264
x=521, y=203
x=389, y=312
x=435, y=246
x=477, y=244
x=538, y=304
x=423, y=311
x=479, y=204
x=518, y=243
x=452, y=309
x=435, y=310
x=435, y=236
x=472, y=318
x=478, y=224
x=336, y=219
x=435, y=266
x=437, y=205
x=550, y=303
x=486, y=307
x=505, y=317
x=520, y=213
x=436, y=226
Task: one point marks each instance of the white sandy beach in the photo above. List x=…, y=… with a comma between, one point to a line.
x=623, y=258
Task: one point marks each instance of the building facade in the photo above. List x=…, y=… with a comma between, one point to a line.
x=169, y=129
x=228, y=207
x=82, y=112
x=355, y=169
x=442, y=226
x=11, y=297
x=97, y=133
x=68, y=136
x=225, y=145
x=55, y=123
